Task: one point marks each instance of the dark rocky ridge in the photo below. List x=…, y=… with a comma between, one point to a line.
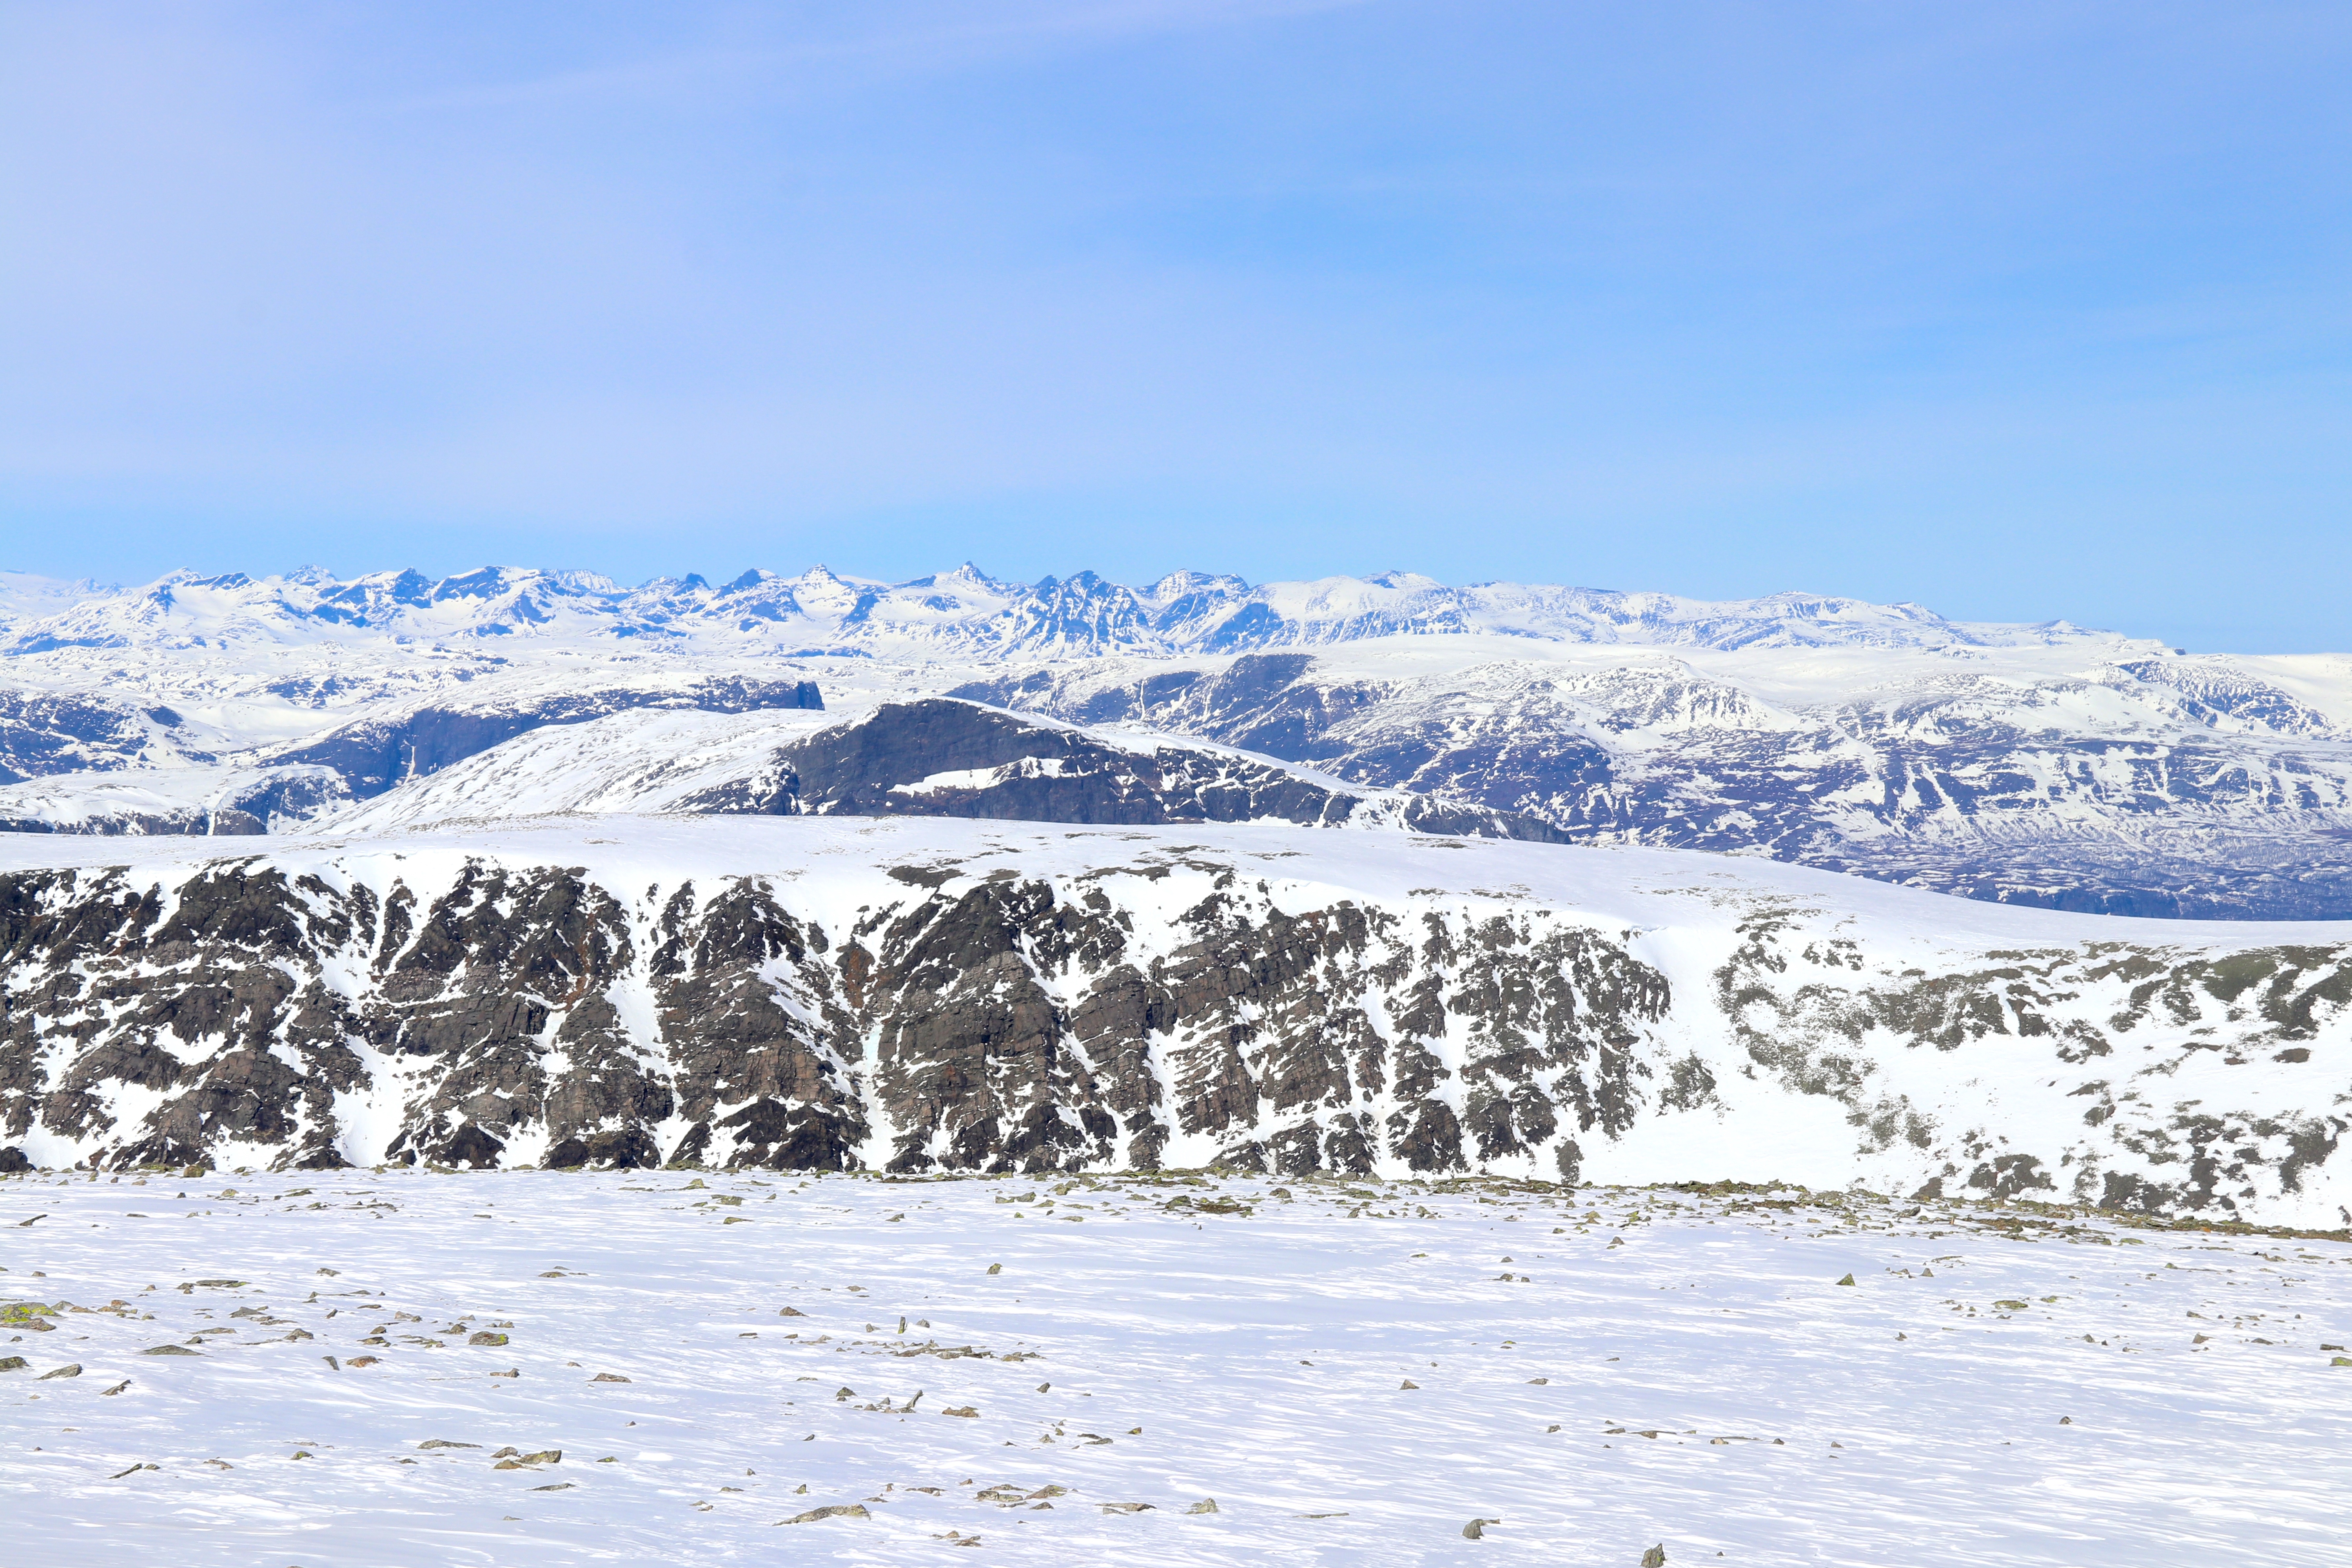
x=879, y=765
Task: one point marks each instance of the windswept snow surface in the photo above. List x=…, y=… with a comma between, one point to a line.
x=1055, y=1371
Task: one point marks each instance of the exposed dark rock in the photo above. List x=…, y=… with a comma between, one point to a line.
x=531, y=1013
x=41, y=734
x=1010, y=1027
x=939, y=757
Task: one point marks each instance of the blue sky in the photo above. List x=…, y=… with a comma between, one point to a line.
x=2018, y=311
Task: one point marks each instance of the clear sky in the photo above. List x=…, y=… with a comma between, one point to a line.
x=2018, y=311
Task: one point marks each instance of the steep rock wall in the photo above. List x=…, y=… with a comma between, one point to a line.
x=530, y=1015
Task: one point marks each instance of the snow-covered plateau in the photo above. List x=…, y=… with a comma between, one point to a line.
x=356, y=1369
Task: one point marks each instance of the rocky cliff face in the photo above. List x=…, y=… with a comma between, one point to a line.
x=953, y=997
x=532, y=1015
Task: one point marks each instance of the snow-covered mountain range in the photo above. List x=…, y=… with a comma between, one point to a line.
x=2046, y=764
x=963, y=614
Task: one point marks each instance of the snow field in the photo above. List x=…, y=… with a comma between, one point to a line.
x=1597, y=1371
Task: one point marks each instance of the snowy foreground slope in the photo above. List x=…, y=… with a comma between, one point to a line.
x=918, y=996
x=638, y=1369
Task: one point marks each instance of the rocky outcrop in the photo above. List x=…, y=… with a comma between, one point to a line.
x=533, y=1015
x=2127, y=1031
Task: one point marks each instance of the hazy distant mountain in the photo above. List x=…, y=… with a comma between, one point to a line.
x=964, y=613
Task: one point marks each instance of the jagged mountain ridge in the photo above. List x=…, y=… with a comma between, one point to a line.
x=915, y=995
x=960, y=614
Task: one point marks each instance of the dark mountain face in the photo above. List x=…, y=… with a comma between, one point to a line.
x=941, y=757
x=1933, y=790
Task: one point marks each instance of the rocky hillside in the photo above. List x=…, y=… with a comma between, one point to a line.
x=921, y=995
x=2168, y=787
